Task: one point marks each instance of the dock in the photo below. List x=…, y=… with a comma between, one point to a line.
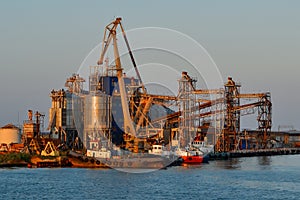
x=254, y=153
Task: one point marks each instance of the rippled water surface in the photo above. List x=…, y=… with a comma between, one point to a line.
x=275, y=177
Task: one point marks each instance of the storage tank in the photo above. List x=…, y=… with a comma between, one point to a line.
x=97, y=117
x=76, y=113
x=97, y=111
x=10, y=134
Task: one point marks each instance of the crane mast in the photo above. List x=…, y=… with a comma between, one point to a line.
x=128, y=124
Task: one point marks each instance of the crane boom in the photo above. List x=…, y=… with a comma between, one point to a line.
x=107, y=40
x=132, y=59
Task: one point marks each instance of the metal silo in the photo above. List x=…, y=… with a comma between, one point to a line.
x=10, y=134
x=97, y=111
x=97, y=117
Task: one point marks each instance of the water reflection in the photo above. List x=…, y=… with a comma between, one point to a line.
x=264, y=162
x=234, y=163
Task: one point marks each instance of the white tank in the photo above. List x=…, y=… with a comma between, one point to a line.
x=9, y=134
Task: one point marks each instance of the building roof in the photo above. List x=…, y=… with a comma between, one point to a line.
x=294, y=132
x=9, y=126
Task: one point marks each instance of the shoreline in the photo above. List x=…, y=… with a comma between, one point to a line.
x=13, y=159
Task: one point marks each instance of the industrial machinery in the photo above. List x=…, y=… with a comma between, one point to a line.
x=61, y=114
x=50, y=150
x=112, y=35
x=137, y=124
x=116, y=109
x=216, y=114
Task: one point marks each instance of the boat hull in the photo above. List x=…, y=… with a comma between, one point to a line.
x=192, y=159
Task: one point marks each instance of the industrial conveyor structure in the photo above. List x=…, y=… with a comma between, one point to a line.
x=217, y=113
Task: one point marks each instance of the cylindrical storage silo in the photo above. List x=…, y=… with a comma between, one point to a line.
x=70, y=123
x=76, y=112
x=97, y=117
x=9, y=134
x=97, y=112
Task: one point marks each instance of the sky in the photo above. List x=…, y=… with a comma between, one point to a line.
x=44, y=42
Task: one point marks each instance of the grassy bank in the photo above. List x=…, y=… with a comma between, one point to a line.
x=14, y=159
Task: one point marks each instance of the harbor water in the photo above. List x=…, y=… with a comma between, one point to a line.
x=276, y=177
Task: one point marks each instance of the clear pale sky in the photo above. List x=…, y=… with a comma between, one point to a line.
x=44, y=42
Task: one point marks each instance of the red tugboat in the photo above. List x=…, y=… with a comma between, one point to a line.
x=195, y=153
x=191, y=156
